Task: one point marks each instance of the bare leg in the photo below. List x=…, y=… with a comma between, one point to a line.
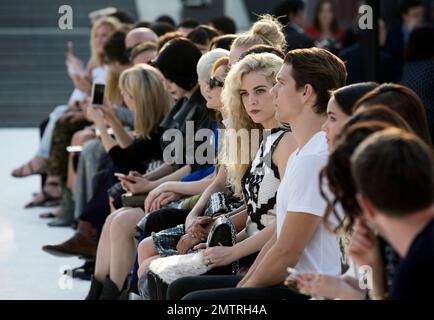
x=144, y=266
x=102, y=265
x=145, y=251
x=123, y=244
x=35, y=165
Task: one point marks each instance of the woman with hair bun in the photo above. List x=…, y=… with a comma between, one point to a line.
x=267, y=31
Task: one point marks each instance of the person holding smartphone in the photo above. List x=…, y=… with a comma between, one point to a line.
x=70, y=117
x=125, y=152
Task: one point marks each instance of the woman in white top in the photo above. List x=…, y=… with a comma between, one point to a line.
x=297, y=239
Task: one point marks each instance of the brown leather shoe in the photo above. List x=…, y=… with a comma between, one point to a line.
x=83, y=243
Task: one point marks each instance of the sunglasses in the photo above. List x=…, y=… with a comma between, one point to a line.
x=214, y=82
x=128, y=52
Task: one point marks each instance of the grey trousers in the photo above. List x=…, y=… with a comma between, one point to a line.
x=87, y=167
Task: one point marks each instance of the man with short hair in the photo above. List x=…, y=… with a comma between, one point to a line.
x=301, y=241
x=297, y=239
x=394, y=175
x=137, y=36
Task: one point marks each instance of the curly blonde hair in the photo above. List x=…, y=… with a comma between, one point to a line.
x=267, y=30
x=265, y=64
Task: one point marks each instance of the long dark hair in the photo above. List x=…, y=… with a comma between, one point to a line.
x=337, y=173
x=335, y=25
x=403, y=101
x=347, y=96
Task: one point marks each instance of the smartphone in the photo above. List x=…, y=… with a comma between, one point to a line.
x=120, y=175
x=72, y=149
x=124, y=176
x=70, y=47
x=98, y=93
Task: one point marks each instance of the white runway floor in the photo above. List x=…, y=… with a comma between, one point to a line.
x=26, y=272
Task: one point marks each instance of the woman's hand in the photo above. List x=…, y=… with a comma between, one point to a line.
x=199, y=228
x=151, y=200
x=163, y=199
x=75, y=62
x=328, y=287
x=108, y=110
x=363, y=247
x=218, y=256
x=135, y=183
x=81, y=82
x=166, y=198
x=95, y=115
x=185, y=243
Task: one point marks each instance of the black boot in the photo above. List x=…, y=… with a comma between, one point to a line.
x=95, y=290
x=110, y=290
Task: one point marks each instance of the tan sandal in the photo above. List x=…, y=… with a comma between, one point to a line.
x=26, y=170
x=48, y=199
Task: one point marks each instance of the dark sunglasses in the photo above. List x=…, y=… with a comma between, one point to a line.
x=214, y=82
x=128, y=52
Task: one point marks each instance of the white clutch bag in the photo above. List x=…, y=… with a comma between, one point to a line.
x=172, y=268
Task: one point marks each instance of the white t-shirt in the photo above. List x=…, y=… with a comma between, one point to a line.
x=299, y=192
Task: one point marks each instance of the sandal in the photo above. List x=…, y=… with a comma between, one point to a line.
x=48, y=200
x=26, y=170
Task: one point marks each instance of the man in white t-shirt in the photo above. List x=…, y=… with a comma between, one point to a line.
x=300, y=240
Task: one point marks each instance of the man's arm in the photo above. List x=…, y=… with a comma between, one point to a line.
x=298, y=229
x=267, y=247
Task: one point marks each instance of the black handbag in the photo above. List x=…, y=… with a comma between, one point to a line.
x=221, y=202
x=223, y=233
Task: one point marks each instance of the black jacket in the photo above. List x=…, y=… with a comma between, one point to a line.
x=193, y=109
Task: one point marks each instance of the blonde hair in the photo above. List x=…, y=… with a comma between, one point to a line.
x=205, y=63
x=268, y=30
x=265, y=64
x=113, y=92
x=112, y=24
x=224, y=61
x=142, y=82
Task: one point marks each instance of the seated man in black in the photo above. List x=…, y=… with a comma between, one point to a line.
x=394, y=174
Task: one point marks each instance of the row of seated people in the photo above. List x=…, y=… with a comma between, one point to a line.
x=287, y=193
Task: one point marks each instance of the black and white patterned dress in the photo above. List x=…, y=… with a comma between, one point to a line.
x=260, y=184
